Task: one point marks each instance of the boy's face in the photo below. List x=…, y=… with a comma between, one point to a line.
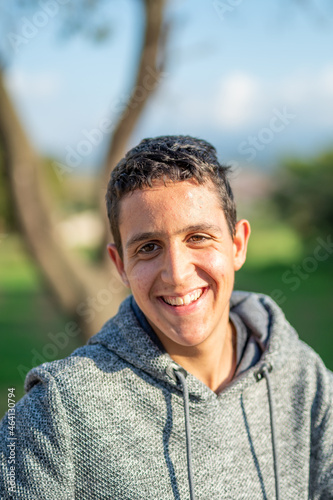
x=179, y=260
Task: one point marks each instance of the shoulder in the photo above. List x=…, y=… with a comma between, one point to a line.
x=297, y=366
x=89, y=361
x=316, y=375
x=302, y=373
x=65, y=379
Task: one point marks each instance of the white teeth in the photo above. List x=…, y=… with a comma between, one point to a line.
x=186, y=300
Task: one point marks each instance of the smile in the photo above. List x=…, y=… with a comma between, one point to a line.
x=185, y=300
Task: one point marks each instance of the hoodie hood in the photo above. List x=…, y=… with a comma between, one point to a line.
x=124, y=336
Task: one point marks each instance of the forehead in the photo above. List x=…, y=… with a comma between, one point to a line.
x=170, y=201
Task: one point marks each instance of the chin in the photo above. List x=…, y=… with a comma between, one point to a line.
x=187, y=340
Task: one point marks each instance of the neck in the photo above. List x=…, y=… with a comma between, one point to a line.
x=213, y=365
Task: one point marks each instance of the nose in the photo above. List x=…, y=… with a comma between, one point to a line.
x=177, y=266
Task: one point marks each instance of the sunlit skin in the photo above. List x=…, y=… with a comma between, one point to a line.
x=176, y=243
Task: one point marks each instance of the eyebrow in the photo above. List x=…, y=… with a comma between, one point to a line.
x=151, y=235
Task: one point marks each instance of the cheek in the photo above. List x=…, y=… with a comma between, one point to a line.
x=217, y=265
x=141, y=278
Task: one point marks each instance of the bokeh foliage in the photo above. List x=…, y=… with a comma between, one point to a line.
x=304, y=195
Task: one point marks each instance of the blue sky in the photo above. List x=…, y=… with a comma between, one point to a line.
x=255, y=78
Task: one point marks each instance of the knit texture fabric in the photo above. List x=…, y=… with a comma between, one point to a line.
x=108, y=421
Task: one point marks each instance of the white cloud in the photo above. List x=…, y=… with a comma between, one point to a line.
x=241, y=102
x=310, y=95
x=326, y=80
x=244, y=100
x=237, y=100
x=33, y=85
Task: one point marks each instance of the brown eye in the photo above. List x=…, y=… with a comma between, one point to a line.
x=148, y=248
x=197, y=238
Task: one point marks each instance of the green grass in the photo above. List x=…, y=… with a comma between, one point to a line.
x=308, y=308
x=273, y=244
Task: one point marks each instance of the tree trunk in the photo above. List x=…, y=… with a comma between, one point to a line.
x=71, y=281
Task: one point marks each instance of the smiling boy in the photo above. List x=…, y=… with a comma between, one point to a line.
x=191, y=390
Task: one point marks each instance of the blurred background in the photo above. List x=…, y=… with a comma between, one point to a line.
x=82, y=81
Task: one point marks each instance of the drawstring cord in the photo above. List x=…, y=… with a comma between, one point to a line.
x=181, y=377
x=264, y=372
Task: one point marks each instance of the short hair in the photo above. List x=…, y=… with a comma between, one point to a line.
x=169, y=158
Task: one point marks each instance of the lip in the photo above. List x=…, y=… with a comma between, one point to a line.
x=185, y=309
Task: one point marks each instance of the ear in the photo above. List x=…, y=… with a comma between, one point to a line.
x=241, y=238
x=117, y=260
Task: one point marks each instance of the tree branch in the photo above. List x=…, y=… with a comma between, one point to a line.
x=149, y=72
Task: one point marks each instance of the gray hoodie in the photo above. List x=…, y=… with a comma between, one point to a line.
x=108, y=422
